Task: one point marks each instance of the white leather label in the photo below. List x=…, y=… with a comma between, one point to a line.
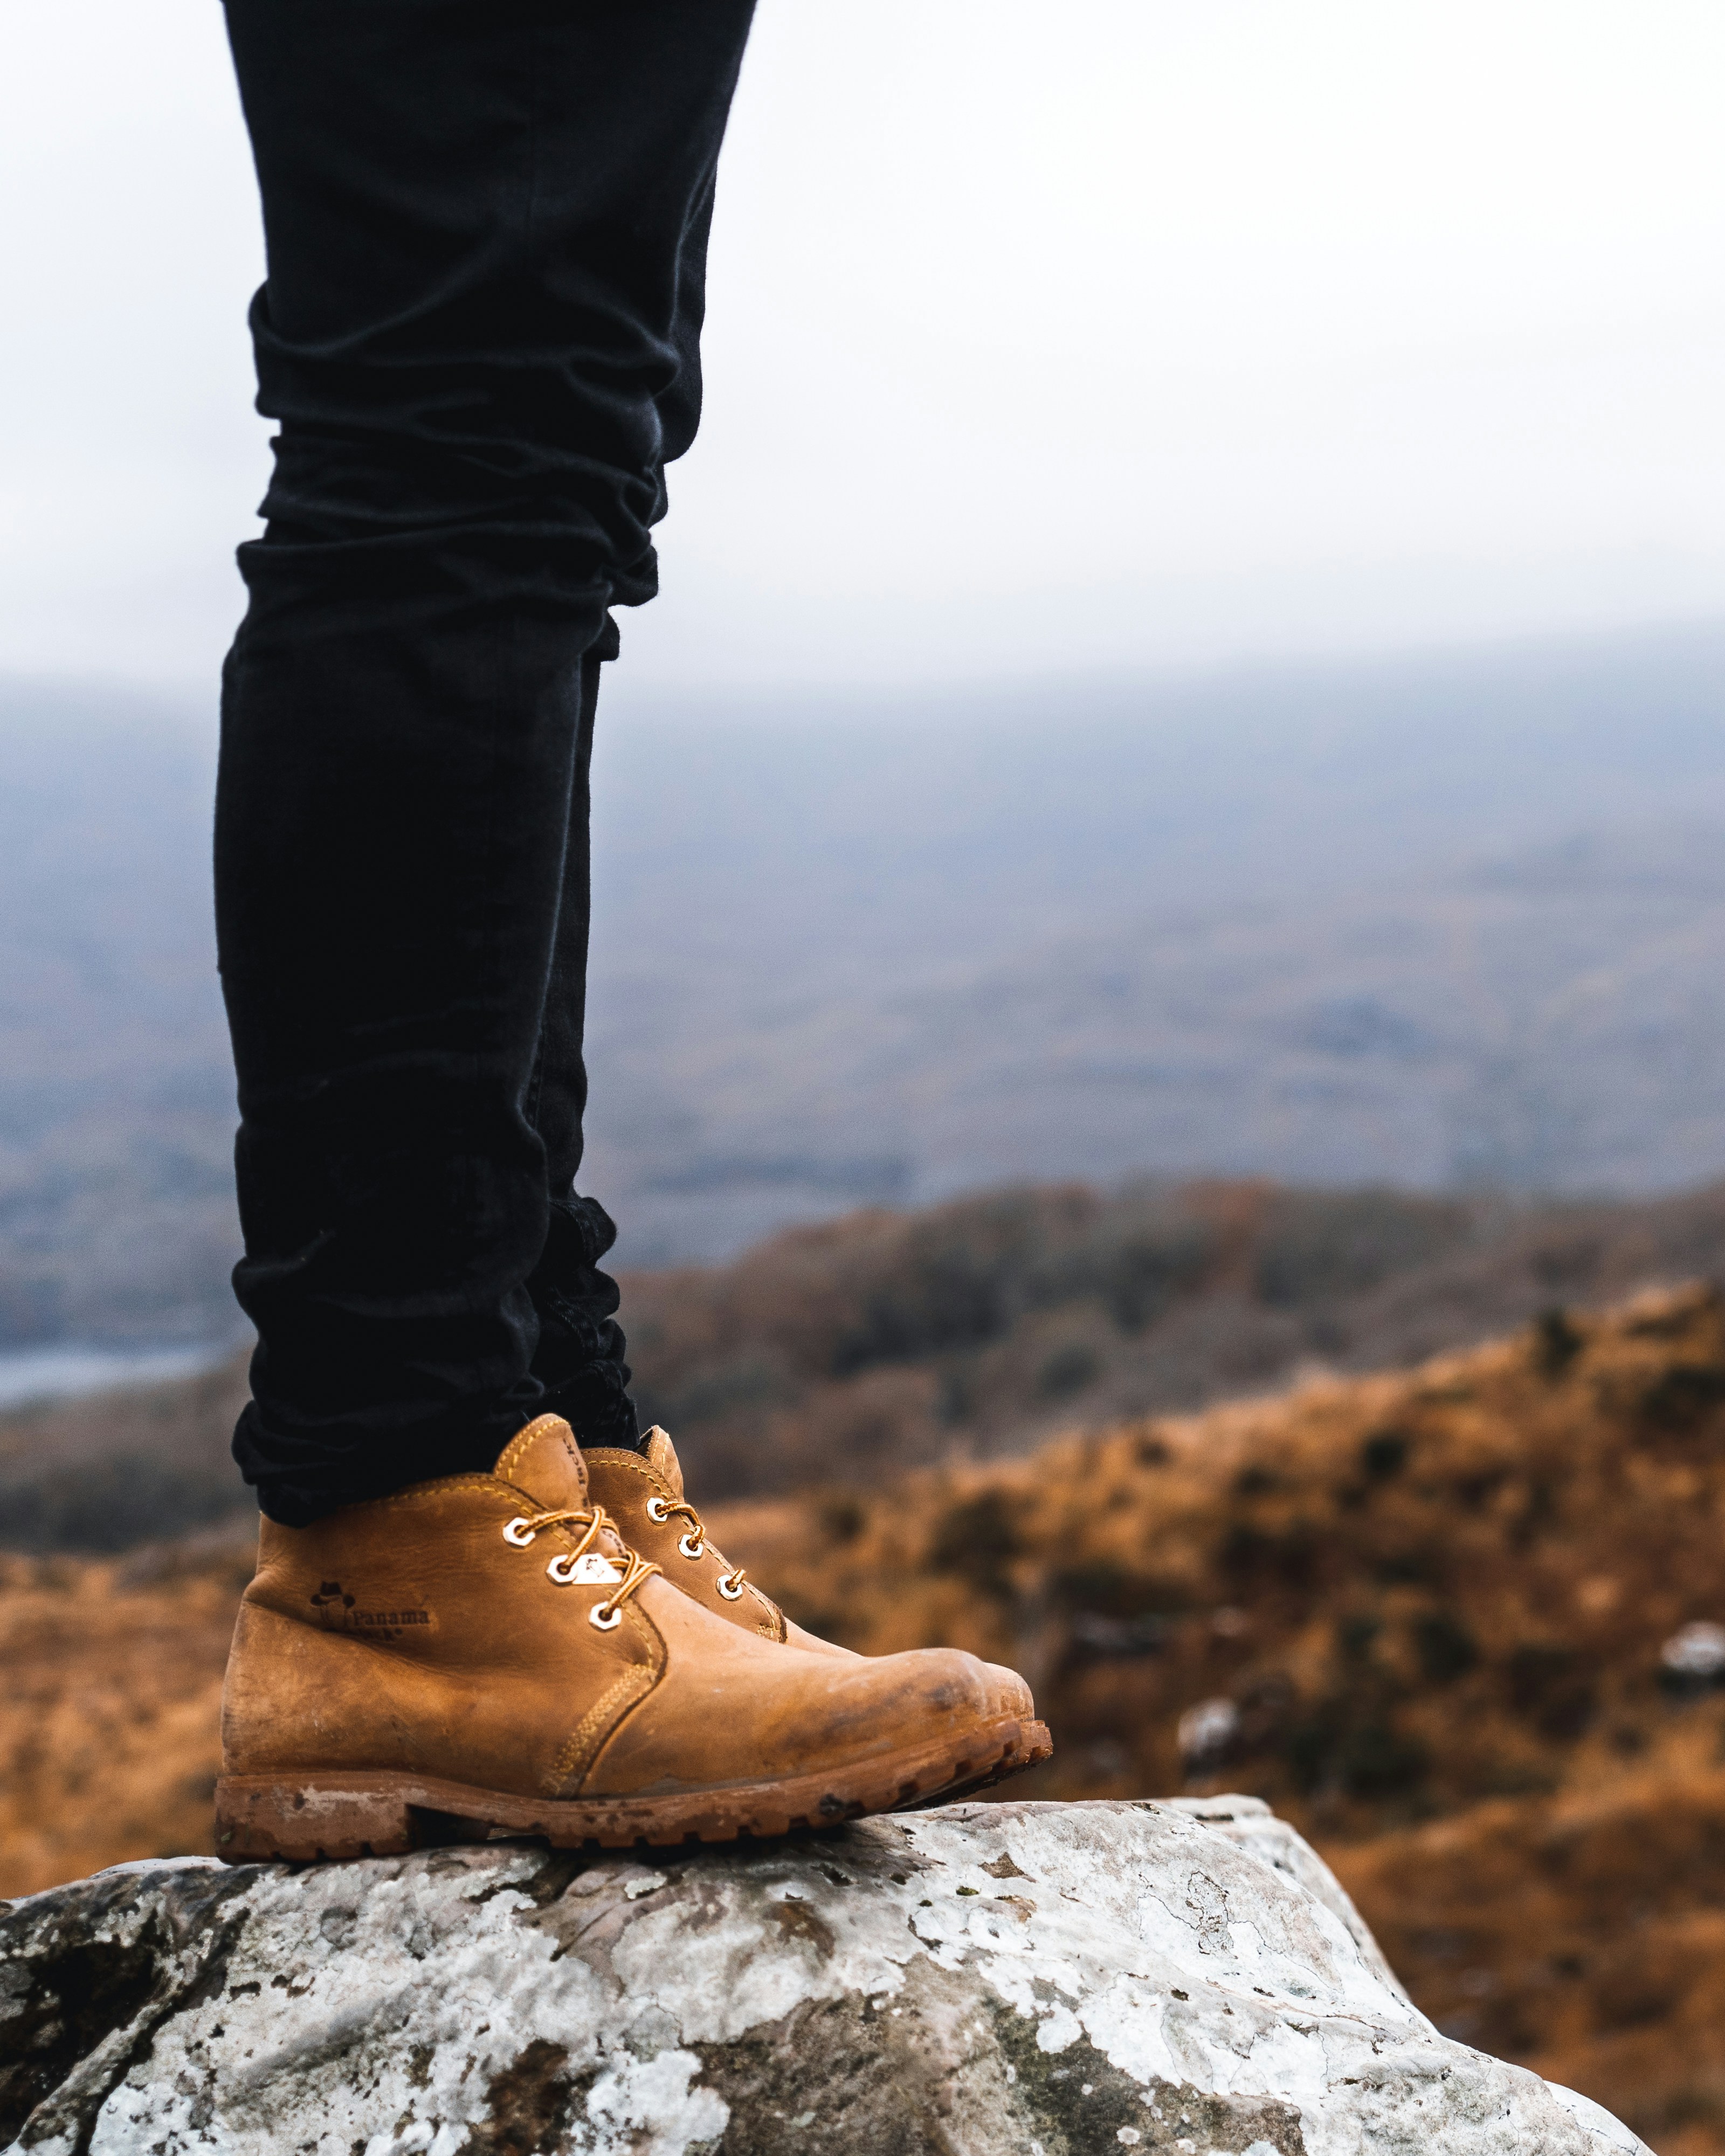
x=594, y=1570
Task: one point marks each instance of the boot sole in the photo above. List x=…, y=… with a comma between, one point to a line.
x=1037, y=1746
x=304, y=1818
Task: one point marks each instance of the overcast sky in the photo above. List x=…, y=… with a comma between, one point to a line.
x=1129, y=332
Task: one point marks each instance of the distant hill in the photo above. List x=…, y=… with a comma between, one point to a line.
x=978, y=1328
x=1448, y=923
x=116, y=1209
x=975, y=1330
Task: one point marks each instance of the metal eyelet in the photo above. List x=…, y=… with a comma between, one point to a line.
x=657, y=1510
x=562, y=1568
x=521, y=1532
x=600, y=1621
x=698, y=1548
x=732, y=1593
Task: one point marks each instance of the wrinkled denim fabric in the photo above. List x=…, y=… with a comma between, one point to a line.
x=486, y=231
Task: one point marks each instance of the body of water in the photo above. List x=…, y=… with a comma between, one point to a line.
x=57, y=1373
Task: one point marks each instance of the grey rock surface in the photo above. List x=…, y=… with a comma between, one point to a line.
x=1183, y=1979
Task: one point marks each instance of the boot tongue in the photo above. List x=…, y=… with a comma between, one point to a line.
x=544, y=1461
x=662, y=1453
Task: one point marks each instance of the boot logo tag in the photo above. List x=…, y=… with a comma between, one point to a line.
x=592, y=1570
x=338, y=1611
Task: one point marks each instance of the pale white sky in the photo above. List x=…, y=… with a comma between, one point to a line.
x=1130, y=332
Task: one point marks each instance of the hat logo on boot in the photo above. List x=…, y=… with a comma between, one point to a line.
x=337, y=1612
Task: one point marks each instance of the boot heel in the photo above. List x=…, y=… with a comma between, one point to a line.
x=267, y=1819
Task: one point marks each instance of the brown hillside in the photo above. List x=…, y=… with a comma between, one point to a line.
x=1417, y=1591
x=111, y=1686
x=1423, y=1614
x=1427, y=1614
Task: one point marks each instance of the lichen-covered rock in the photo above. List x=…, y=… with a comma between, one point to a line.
x=1036, y=1980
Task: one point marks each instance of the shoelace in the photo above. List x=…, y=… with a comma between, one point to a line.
x=694, y=1543
x=607, y=1614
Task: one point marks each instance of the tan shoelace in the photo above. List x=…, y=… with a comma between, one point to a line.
x=566, y=1569
x=694, y=1543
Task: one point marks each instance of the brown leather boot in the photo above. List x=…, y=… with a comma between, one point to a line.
x=484, y=1654
x=643, y=1494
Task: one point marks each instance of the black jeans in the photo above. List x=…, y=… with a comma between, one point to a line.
x=486, y=230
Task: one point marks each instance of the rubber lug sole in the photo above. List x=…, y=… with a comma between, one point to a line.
x=304, y=1818
x=1038, y=1746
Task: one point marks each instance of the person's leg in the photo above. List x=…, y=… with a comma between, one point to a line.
x=476, y=333
x=578, y=1359
x=579, y=1356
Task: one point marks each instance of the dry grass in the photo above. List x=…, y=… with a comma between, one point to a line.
x=1434, y=1603
x=1583, y=1934
x=111, y=1682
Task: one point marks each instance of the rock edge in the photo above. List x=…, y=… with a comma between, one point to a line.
x=1182, y=1978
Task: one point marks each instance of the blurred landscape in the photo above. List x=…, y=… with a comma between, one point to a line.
x=1464, y=1625
x=892, y=1339
x=1205, y=1180
x=1446, y=923
x=1212, y=1191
